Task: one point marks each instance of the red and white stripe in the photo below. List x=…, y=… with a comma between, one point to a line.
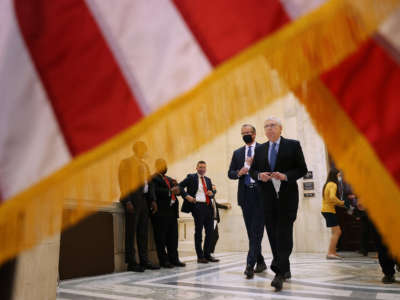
x=73, y=73
x=154, y=48
x=31, y=141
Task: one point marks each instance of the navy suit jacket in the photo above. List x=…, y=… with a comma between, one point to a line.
x=237, y=163
x=290, y=161
x=189, y=186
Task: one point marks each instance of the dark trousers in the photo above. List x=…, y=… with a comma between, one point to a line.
x=203, y=218
x=279, y=226
x=253, y=215
x=7, y=271
x=166, y=237
x=386, y=261
x=136, y=227
x=366, y=230
x=214, y=239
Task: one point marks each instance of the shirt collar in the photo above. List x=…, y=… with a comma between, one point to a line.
x=252, y=145
x=277, y=142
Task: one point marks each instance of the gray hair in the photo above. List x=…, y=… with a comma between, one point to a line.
x=272, y=118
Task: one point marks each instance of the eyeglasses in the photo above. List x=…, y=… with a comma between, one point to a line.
x=272, y=125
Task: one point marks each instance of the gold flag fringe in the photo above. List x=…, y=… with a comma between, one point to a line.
x=248, y=82
x=373, y=184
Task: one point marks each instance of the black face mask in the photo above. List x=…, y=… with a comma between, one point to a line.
x=247, y=138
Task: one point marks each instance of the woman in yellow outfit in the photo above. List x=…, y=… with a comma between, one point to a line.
x=329, y=201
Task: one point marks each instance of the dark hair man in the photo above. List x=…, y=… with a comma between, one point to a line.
x=248, y=200
x=196, y=189
x=165, y=223
x=136, y=201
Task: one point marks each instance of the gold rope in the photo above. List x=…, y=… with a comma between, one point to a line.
x=352, y=153
x=253, y=79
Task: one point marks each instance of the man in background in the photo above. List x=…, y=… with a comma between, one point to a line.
x=196, y=189
x=137, y=202
x=165, y=223
x=248, y=199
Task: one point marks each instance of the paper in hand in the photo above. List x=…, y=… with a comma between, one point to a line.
x=277, y=185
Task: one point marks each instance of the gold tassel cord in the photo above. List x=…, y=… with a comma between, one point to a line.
x=248, y=82
x=356, y=157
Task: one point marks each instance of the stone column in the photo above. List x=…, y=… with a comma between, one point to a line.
x=37, y=271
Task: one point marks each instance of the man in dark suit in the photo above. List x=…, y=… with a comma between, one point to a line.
x=165, y=222
x=137, y=202
x=248, y=200
x=276, y=166
x=196, y=190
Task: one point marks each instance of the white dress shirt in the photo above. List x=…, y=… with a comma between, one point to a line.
x=246, y=165
x=200, y=196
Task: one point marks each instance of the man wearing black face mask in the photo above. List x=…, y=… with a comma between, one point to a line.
x=248, y=200
x=164, y=221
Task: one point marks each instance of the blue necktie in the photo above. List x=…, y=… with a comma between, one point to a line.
x=272, y=159
x=247, y=177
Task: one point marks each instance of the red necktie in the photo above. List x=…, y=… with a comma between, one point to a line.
x=169, y=187
x=205, y=190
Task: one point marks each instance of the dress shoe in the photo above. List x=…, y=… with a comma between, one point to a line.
x=363, y=252
x=277, y=283
x=167, y=265
x=202, y=260
x=287, y=275
x=249, y=272
x=135, y=268
x=388, y=279
x=179, y=264
x=260, y=267
x=212, y=259
x=150, y=266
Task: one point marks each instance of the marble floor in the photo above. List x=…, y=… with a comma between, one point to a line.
x=313, y=277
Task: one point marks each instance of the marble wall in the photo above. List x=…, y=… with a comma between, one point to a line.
x=37, y=271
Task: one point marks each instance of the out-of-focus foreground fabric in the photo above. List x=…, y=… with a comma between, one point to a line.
x=81, y=81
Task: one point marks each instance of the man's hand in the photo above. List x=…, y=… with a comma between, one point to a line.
x=264, y=176
x=228, y=205
x=154, y=207
x=243, y=171
x=129, y=207
x=175, y=190
x=190, y=199
x=279, y=176
x=249, y=160
x=210, y=193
